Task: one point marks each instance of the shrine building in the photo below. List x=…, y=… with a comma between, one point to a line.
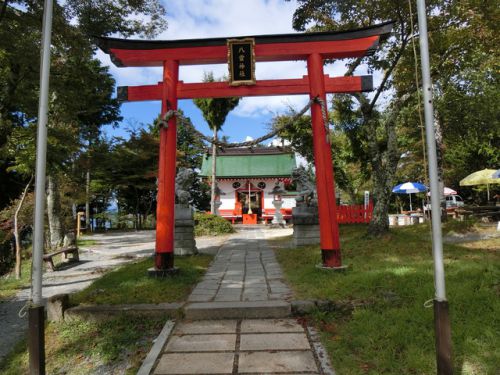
x=248, y=175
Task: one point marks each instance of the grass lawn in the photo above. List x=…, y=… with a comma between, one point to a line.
x=131, y=284
x=85, y=242
x=116, y=346
x=378, y=323
x=9, y=285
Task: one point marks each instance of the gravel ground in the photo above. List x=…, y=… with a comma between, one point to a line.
x=485, y=232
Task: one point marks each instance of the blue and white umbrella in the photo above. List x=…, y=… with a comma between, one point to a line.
x=409, y=188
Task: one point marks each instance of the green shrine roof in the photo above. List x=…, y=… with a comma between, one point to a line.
x=244, y=162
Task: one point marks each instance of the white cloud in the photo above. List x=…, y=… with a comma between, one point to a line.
x=226, y=18
x=268, y=105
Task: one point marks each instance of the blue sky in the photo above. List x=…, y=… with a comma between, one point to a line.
x=188, y=19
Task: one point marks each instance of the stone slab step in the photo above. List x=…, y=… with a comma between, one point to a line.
x=237, y=310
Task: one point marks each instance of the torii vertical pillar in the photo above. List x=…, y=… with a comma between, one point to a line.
x=165, y=215
x=329, y=230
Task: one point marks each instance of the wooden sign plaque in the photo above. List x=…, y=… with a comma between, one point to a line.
x=241, y=61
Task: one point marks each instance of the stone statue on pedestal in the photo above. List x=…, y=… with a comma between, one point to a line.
x=182, y=184
x=184, y=241
x=306, y=189
x=305, y=215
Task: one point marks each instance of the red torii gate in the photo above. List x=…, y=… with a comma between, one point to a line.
x=311, y=47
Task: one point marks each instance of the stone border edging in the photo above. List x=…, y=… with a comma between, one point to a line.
x=100, y=312
x=320, y=352
x=154, y=353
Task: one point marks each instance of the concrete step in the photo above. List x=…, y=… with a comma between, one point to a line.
x=237, y=310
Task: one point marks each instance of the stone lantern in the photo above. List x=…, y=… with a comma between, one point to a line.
x=277, y=192
x=217, y=202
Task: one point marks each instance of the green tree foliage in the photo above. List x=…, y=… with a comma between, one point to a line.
x=190, y=151
x=215, y=110
x=126, y=17
x=80, y=88
x=464, y=69
x=381, y=146
x=103, y=17
x=80, y=98
x=132, y=173
x=466, y=85
x=126, y=170
x=348, y=172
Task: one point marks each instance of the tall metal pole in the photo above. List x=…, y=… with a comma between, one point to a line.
x=441, y=315
x=36, y=311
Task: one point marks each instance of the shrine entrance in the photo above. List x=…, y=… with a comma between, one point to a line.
x=241, y=54
x=251, y=202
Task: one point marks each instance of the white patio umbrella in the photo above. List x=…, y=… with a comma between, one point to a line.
x=447, y=191
x=409, y=188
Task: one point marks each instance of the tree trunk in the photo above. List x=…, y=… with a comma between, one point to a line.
x=380, y=217
x=87, y=202
x=214, y=173
x=56, y=230
x=16, y=230
x=384, y=159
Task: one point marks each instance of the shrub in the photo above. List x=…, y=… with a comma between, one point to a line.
x=207, y=224
x=6, y=252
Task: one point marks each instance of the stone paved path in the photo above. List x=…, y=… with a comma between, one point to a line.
x=262, y=346
x=245, y=269
x=244, y=273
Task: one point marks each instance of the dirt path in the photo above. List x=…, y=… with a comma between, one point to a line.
x=484, y=233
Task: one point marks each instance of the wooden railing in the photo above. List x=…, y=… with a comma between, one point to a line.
x=354, y=213
x=351, y=214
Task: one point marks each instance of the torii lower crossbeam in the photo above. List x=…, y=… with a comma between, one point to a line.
x=261, y=88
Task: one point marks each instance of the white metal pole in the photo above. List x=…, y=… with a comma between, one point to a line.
x=437, y=240
x=36, y=315
x=441, y=310
x=41, y=153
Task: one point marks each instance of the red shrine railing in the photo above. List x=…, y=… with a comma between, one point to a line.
x=354, y=214
x=346, y=214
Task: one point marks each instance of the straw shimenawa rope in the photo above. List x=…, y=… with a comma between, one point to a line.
x=163, y=122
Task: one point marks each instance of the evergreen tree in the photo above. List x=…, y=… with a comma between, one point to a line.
x=215, y=111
